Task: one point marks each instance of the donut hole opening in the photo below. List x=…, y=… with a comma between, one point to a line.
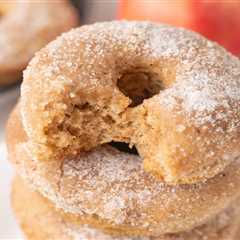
x=140, y=85
x=124, y=147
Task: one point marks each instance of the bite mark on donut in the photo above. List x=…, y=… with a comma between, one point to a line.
x=86, y=125
x=87, y=104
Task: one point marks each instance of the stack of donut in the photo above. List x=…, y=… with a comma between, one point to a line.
x=25, y=27
x=169, y=94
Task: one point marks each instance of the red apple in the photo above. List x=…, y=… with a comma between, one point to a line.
x=218, y=20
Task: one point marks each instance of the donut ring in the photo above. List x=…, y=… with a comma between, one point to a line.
x=112, y=192
x=51, y=224
x=25, y=27
x=168, y=91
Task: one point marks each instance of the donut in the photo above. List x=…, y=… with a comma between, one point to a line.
x=169, y=92
x=25, y=27
x=39, y=220
x=109, y=190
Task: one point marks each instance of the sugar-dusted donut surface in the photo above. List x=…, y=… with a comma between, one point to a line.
x=168, y=91
x=40, y=220
x=25, y=27
x=110, y=190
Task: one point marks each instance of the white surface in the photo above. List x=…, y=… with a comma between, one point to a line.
x=8, y=226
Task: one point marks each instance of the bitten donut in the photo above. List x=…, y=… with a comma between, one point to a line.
x=109, y=190
x=25, y=27
x=169, y=92
x=40, y=220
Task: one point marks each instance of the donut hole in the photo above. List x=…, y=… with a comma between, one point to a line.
x=139, y=85
x=124, y=147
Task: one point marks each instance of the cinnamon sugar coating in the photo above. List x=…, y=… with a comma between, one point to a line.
x=168, y=91
x=110, y=190
x=41, y=220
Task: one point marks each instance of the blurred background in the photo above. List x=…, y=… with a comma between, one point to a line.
x=218, y=20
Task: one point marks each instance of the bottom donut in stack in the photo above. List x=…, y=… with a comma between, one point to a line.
x=40, y=220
